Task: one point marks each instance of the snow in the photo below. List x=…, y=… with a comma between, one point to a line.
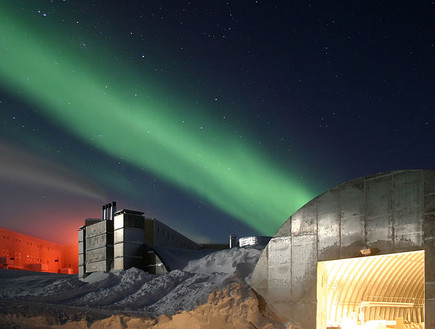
x=96, y=277
x=224, y=261
x=177, y=259
x=135, y=290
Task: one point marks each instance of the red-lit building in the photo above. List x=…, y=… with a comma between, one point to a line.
x=23, y=252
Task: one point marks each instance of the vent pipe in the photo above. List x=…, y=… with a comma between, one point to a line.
x=109, y=211
x=113, y=210
x=106, y=216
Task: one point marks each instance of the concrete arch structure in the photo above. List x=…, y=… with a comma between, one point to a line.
x=316, y=258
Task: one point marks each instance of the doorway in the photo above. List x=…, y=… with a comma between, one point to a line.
x=385, y=291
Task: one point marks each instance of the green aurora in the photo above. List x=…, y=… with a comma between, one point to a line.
x=129, y=120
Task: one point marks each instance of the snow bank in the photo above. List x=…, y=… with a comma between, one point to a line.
x=224, y=261
x=233, y=307
x=134, y=290
x=96, y=277
x=177, y=259
x=23, y=283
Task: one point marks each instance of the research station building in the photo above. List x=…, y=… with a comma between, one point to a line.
x=123, y=239
x=24, y=252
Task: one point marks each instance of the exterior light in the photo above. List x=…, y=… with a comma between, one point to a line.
x=369, y=251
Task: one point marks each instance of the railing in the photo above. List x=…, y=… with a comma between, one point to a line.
x=412, y=307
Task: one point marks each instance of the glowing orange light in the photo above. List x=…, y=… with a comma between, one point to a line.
x=40, y=255
x=385, y=291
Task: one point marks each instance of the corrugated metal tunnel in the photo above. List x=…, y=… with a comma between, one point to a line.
x=369, y=291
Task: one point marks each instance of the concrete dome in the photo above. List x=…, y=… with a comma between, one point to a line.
x=313, y=271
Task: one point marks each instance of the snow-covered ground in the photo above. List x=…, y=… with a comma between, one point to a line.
x=134, y=290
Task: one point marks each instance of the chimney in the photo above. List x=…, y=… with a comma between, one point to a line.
x=113, y=210
x=109, y=211
x=106, y=212
x=103, y=209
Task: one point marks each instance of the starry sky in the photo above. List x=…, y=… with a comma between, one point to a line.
x=215, y=117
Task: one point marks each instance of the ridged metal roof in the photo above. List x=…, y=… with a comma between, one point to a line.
x=376, y=287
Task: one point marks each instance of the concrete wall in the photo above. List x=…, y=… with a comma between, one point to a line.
x=392, y=212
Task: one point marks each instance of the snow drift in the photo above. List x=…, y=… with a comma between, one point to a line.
x=135, y=292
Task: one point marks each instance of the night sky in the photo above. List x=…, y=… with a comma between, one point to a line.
x=215, y=117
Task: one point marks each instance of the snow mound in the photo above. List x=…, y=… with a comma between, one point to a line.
x=96, y=277
x=177, y=259
x=224, y=261
x=135, y=290
x=23, y=283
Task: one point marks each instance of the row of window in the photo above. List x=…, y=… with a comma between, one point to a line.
x=34, y=259
x=5, y=253
x=29, y=243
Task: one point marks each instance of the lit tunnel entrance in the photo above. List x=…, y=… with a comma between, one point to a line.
x=371, y=292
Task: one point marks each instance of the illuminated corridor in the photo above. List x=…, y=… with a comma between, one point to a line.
x=371, y=292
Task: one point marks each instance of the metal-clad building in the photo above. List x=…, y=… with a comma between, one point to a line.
x=160, y=235
x=124, y=239
x=82, y=252
x=255, y=240
x=99, y=246
x=129, y=239
x=360, y=253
